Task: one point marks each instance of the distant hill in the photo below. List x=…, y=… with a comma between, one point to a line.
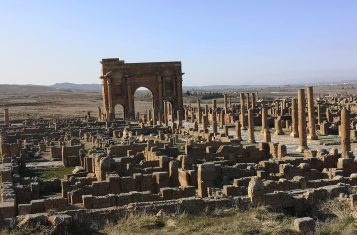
x=73, y=86
x=222, y=87
x=98, y=87
x=8, y=88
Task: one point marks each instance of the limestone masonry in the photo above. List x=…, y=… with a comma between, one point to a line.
x=193, y=157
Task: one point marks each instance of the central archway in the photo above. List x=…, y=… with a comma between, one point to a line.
x=143, y=102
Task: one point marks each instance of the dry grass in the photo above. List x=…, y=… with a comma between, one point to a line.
x=333, y=217
x=254, y=221
x=40, y=230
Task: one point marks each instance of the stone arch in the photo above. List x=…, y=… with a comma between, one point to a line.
x=120, y=81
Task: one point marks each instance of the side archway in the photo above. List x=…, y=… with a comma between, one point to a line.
x=119, y=111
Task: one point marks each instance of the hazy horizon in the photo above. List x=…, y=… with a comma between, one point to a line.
x=287, y=83
x=219, y=43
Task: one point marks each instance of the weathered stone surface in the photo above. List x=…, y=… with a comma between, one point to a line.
x=304, y=225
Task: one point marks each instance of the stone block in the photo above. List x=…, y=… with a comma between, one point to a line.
x=304, y=225
x=166, y=193
x=37, y=206
x=114, y=184
x=7, y=209
x=87, y=201
x=231, y=190
x=24, y=209
x=127, y=184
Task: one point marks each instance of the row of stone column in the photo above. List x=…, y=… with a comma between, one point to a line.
x=298, y=125
x=251, y=102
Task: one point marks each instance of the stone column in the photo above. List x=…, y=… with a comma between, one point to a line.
x=225, y=103
x=149, y=112
x=179, y=92
x=195, y=126
x=131, y=107
x=302, y=121
x=204, y=122
x=287, y=125
x=154, y=116
x=166, y=113
x=199, y=111
x=311, y=114
x=267, y=136
x=282, y=107
x=170, y=113
x=264, y=120
x=345, y=133
x=110, y=100
x=294, y=119
x=254, y=100
x=278, y=128
x=251, y=126
x=159, y=117
x=223, y=121
x=214, y=123
x=248, y=101
x=6, y=116
x=329, y=115
x=242, y=111
x=238, y=131
x=193, y=117
x=319, y=118
x=207, y=119
x=284, y=103
x=179, y=117
x=105, y=93
x=214, y=104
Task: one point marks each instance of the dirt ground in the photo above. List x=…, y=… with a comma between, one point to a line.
x=29, y=101
x=41, y=102
x=50, y=103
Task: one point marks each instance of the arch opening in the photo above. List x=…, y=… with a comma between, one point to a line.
x=143, y=102
x=119, y=112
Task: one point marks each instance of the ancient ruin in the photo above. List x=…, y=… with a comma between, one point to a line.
x=245, y=150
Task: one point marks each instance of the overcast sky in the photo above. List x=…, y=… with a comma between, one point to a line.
x=219, y=42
